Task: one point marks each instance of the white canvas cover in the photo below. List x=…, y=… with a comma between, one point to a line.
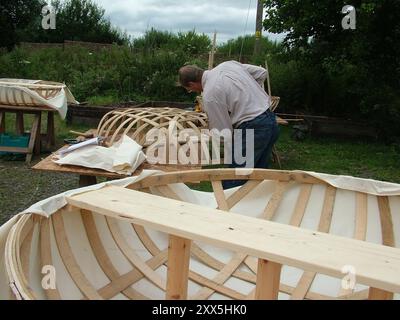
x=23, y=92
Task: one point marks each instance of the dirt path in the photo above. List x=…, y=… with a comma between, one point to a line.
x=21, y=187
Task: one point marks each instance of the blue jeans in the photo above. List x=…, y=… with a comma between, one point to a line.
x=266, y=133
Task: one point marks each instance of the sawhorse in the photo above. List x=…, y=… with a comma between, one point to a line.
x=34, y=145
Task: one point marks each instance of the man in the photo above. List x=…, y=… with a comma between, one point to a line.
x=234, y=99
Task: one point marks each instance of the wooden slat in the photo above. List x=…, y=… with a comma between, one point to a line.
x=178, y=268
x=314, y=251
x=301, y=205
x=222, y=276
x=46, y=257
x=238, y=195
x=133, y=276
x=219, y=195
x=360, y=230
x=268, y=280
x=308, y=277
x=275, y=200
x=387, y=240
x=69, y=260
x=101, y=255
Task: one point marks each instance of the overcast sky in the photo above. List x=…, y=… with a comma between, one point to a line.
x=227, y=17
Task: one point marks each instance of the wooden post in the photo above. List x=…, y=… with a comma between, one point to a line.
x=178, y=268
x=19, y=123
x=51, y=141
x=35, y=132
x=268, y=280
x=211, y=56
x=257, y=44
x=2, y=121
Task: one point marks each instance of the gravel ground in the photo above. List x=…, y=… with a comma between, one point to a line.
x=21, y=186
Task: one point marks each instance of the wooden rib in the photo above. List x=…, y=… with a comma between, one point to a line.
x=69, y=260
x=24, y=232
x=12, y=261
x=275, y=200
x=133, y=258
x=147, y=242
x=308, y=277
x=178, y=268
x=216, y=287
x=222, y=277
x=301, y=205
x=128, y=279
x=387, y=240
x=360, y=230
x=45, y=255
x=219, y=195
x=101, y=255
x=242, y=192
x=26, y=251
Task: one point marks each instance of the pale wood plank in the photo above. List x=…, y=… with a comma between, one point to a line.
x=178, y=268
x=314, y=251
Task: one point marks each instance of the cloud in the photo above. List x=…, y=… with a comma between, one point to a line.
x=227, y=17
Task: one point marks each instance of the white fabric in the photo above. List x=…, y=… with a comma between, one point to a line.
x=123, y=157
x=13, y=94
x=374, y=187
x=232, y=94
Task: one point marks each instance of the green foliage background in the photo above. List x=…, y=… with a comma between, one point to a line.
x=319, y=69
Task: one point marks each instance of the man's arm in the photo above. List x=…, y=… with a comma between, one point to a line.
x=258, y=73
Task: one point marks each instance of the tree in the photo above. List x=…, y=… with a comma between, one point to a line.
x=367, y=58
x=81, y=20
x=16, y=15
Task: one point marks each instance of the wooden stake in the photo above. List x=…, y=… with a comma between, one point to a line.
x=268, y=280
x=178, y=268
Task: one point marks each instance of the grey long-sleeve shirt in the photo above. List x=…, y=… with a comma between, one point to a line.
x=233, y=93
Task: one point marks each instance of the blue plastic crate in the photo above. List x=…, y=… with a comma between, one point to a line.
x=7, y=140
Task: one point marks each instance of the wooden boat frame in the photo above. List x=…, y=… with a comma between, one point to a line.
x=264, y=264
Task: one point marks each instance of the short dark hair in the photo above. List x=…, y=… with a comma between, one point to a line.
x=190, y=73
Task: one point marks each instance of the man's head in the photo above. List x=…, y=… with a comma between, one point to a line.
x=190, y=78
